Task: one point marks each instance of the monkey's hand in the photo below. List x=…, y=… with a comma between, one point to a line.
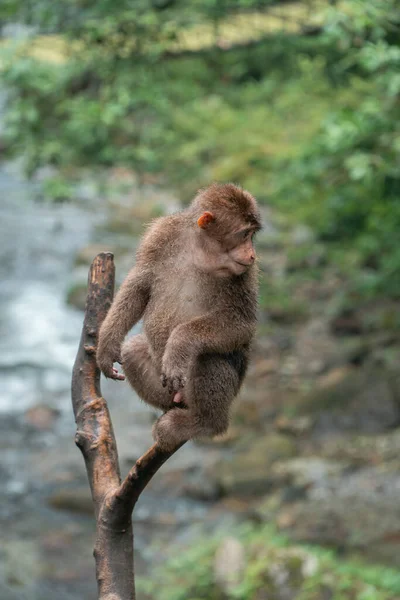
x=174, y=372
x=106, y=357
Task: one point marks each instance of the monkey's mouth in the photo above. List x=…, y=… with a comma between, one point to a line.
x=242, y=264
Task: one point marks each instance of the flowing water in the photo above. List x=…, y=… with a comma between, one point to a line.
x=38, y=331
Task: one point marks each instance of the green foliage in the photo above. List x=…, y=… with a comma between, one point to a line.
x=188, y=576
x=273, y=569
x=57, y=189
x=349, y=174
x=131, y=93
x=308, y=123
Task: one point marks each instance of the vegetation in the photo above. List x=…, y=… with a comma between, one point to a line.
x=195, y=91
x=272, y=570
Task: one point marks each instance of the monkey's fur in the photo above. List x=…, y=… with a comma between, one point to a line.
x=195, y=283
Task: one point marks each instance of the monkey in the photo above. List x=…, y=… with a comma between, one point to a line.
x=195, y=285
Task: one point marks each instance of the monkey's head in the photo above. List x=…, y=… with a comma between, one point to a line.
x=227, y=219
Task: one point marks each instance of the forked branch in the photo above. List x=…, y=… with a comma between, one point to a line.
x=113, y=501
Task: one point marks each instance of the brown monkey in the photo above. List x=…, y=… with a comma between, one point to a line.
x=195, y=285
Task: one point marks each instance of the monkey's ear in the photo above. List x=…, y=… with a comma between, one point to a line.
x=205, y=219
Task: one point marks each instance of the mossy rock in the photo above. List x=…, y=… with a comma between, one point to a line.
x=361, y=522
x=355, y=399
x=249, y=472
x=76, y=500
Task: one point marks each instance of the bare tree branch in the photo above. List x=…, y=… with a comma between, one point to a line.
x=113, y=501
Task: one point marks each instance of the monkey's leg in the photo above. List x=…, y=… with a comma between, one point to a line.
x=211, y=388
x=142, y=374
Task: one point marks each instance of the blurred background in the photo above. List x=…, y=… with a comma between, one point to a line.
x=115, y=112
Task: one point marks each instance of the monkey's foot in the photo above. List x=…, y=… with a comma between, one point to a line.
x=171, y=429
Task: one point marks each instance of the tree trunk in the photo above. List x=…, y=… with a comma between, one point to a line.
x=113, y=501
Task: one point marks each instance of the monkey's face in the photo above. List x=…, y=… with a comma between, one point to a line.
x=230, y=249
x=230, y=217
x=240, y=250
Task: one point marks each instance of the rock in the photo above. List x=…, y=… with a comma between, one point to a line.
x=229, y=565
x=41, y=416
x=334, y=378
x=16, y=488
x=237, y=508
x=293, y=482
x=357, y=399
x=297, y=427
x=285, y=519
x=255, y=405
x=20, y=563
x=75, y=500
x=291, y=312
x=375, y=316
x=282, y=339
x=356, y=510
x=352, y=350
x=201, y=487
x=55, y=540
x=315, y=524
x=264, y=366
x=291, y=367
x=164, y=518
x=248, y=472
x=347, y=323
x=307, y=471
x=387, y=357
x=87, y=191
x=361, y=450
x=381, y=316
x=356, y=350
x=267, y=509
x=315, y=347
x=46, y=172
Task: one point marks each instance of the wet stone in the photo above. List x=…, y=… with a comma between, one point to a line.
x=248, y=472
x=41, y=417
x=75, y=500
x=359, y=399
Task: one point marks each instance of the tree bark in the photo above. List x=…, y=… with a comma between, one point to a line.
x=113, y=500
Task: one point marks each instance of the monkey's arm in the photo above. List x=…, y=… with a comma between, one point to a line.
x=209, y=333
x=126, y=310
x=132, y=298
